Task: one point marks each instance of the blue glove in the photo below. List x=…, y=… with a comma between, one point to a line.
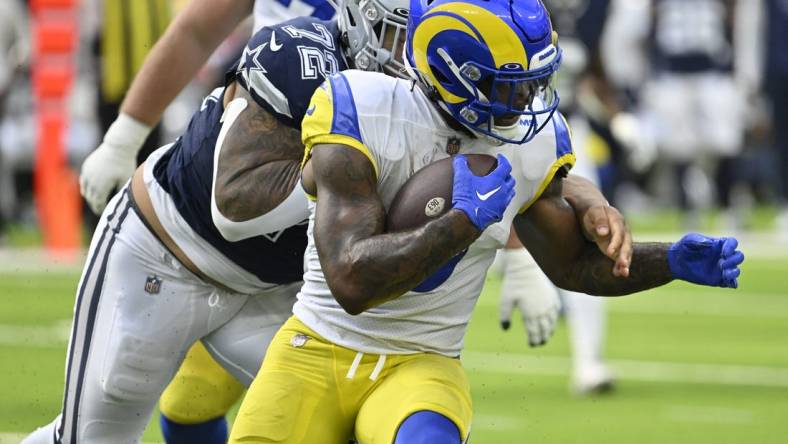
x=482, y=198
x=712, y=261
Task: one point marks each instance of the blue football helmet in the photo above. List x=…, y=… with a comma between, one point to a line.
x=488, y=63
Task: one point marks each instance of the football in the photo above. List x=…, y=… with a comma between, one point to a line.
x=427, y=194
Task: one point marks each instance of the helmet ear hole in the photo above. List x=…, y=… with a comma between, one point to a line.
x=439, y=76
x=351, y=19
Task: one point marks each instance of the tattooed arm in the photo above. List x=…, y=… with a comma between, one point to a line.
x=600, y=223
x=550, y=231
x=258, y=163
x=363, y=266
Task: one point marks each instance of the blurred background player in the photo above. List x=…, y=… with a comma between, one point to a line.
x=775, y=88
x=589, y=102
x=690, y=72
x=14, y=59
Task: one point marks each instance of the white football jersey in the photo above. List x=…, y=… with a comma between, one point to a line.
x=401, y=131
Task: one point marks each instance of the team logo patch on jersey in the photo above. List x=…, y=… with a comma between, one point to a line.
x=152, y=285
x=299, y=340
x=453, y=145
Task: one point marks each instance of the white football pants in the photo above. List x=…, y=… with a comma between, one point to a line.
x=137, y=312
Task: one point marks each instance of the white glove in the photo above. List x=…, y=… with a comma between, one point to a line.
x=630, y=132
x=113, y=162
x=526, y=287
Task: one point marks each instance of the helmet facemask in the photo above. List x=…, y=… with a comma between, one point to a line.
x=509, y=104
x=373, y=32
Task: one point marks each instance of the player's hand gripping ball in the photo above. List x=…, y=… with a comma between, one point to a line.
x=428, y=193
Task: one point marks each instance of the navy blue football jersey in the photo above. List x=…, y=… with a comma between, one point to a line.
x=281, y=67
x=776, y=38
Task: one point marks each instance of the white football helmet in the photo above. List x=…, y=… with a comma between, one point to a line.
x=373, y=32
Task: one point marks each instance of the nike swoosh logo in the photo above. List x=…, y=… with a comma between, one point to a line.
x=310, y=110
x=274, y=46
x=487, y=195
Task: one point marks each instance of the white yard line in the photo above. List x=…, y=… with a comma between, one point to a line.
x=709, y=414
x=11, y=438
x=497, y=422
x=630, y=369
x=483, y=361
x=36, y=260
x=40, y=336
x=768, y=306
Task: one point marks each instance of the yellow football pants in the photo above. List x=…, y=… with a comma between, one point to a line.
x=312, y=391
x=201, y=390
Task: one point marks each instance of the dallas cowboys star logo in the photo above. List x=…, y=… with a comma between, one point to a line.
x=250, y=62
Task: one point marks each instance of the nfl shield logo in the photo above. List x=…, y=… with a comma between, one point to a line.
x=453, y=145
x=152, y=285
x=299, y=340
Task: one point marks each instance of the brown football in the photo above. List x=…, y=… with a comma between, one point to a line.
x=427, y=194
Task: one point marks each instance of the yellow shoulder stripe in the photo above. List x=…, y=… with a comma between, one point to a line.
x=561, y=161
x=338, y=139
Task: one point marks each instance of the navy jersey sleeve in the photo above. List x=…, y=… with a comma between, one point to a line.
x=282, y=65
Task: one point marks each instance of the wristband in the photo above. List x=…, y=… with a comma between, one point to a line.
x=127, y=133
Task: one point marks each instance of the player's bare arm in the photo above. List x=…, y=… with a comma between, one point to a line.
x=171, y=64
x=188, y=42
x=550, y=231
x=364, y=266
x=600, y=222
x=259, y=154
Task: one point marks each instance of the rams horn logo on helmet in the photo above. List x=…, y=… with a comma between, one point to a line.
x=489, y=63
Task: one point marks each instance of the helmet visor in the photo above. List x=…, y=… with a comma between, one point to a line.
x=510, y=104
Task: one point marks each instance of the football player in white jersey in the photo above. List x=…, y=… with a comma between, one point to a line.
x=372, y=349
x=195, y=402
x=183, y=246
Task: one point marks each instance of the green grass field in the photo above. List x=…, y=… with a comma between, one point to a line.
x=695, y=365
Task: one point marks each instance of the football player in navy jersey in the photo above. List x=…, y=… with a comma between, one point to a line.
x=201, y=391
x=182, y=253
x=206, y=242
